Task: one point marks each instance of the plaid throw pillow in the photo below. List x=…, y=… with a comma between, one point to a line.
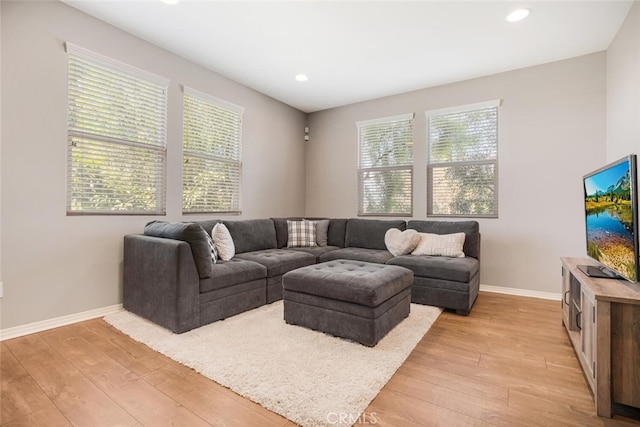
x=212, y=247
x=302, y=234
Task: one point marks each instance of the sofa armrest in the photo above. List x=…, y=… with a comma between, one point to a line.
x=161, y=282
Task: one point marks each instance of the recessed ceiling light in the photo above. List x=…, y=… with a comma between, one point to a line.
x=302, y=77
x=517, y=15
x=170, y=1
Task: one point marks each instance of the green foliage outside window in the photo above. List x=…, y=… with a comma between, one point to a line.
x=463, y=160
x=386, y=168
x=116, y=139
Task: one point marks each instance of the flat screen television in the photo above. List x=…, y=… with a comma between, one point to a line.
x=611, y=213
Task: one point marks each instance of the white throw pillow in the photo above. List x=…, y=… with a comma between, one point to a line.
x=401, y=242
x=302, y=234
x=223, y=241
x=440, y=245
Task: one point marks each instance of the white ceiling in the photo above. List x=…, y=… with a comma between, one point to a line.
x=360, y=50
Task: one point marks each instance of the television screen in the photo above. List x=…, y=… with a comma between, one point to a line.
x=610, y=198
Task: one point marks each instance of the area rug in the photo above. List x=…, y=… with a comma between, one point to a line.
x=311, y=378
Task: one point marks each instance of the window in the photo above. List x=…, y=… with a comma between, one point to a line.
x=116, y=137
x=462, y=165
x=385, y=169
x=212, y=150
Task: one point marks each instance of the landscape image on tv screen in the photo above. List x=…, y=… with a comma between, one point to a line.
x=609, y=218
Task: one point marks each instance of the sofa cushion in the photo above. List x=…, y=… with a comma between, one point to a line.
x=208, y=224
x=279, y=261
x=471, y=229
x=187, y=232
x=336, y=232
x=316, y=251
x=301, y=234
x=369, y=233
x=231, y=273
x=436, y=267
x=358, y=254
x=252, y=234
x=282, y=230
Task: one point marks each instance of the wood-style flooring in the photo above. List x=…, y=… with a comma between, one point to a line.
x=509, y=363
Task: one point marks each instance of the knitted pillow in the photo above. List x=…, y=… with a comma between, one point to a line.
x=401, y=242
x=449, y=245
x=223, y=242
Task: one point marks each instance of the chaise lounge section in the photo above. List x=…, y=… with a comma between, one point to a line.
x=169, y=277
x=451, y=283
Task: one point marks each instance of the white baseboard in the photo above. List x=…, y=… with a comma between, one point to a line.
x=56, y=322
x=521, y=292
x=44, y=325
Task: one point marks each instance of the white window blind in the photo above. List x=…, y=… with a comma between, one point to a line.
x=212, y=150
x=462, y=166
x=385, y=168
x=117, y=135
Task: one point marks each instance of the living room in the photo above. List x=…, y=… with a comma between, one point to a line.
x=558, y=121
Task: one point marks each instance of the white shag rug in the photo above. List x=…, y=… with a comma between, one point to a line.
x=311, y=378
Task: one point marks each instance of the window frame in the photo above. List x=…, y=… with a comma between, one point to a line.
x=237, y=112
x=82, y=140
x=493, y=104
x=362, y=170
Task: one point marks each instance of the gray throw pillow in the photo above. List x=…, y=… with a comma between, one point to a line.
x=322, y=229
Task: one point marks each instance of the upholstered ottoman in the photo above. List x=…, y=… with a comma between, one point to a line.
x=356, y=300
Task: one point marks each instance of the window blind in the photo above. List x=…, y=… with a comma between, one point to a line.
x=462, y=166
x=385, y=167
x=212, y=150
x=117, y=134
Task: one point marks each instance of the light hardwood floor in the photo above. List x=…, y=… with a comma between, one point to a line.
x=509, y=363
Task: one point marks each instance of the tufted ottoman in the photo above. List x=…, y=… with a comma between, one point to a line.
x=356, y=300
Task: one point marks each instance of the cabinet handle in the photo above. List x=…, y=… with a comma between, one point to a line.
x=565, y=298
x=579, y=320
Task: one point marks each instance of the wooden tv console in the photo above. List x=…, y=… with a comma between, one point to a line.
x=602, y=318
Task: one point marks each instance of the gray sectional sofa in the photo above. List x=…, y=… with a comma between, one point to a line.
x=169, y=277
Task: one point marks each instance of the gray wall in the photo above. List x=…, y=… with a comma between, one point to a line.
x=55, y=265
x=553, y=125
x=623, y=88
x=552, y=129
x=1, y=285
